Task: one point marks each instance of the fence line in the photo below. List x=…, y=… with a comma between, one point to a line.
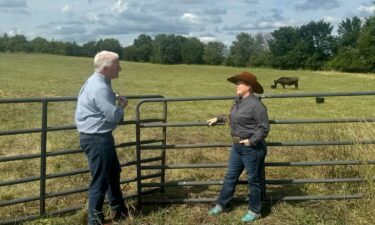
x=162, y=145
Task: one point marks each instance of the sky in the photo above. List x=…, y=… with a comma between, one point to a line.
x=209, y=20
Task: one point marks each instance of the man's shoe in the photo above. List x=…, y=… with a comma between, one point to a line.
x=215, y=210
x=120, y=215
x=250, y=217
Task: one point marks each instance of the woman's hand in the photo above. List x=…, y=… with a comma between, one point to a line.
x=245, y=142
x=212, y=121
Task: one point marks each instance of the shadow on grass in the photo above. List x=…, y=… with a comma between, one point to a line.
x=273, y=193
x=185, y=192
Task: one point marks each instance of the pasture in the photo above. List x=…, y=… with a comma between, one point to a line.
x=36, y=75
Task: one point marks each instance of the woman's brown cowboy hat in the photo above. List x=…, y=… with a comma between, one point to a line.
x=248, y=78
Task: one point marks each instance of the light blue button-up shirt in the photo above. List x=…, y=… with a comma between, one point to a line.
x=96, y=106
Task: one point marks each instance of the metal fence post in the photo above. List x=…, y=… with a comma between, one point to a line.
x=163, y=154
x=43, y=151
x=138, y=150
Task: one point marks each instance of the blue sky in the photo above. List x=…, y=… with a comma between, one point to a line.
x=87, y=20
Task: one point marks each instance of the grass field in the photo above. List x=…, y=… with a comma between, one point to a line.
x=30, y=75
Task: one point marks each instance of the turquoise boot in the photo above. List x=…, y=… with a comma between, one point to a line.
x=215, y=210
x=250, y=217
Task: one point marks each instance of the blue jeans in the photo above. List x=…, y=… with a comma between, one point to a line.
x=105, y=172
x=252, y=159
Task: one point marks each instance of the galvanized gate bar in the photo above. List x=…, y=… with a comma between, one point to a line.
x=70, y=173
x=66, y=210
x=299, y=121
x=272, y=198
x=269, y=182
x=305, y=143
x=65, y=99
x=66, y=152
x=49, y=129
x=299, y=95
x=267, y=164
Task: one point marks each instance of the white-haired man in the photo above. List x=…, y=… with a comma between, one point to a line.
x=96, y=116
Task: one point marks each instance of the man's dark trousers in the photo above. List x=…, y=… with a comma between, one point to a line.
x=105, y=171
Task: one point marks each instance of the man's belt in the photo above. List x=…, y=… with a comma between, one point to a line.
x=97, y=134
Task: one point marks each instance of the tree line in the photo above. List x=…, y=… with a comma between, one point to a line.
x=310, y=46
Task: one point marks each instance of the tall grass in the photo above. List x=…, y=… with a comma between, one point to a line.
x=28, y=75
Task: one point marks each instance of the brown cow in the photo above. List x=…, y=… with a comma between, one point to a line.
x=286, y=81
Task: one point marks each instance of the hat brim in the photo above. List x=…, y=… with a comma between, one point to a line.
x=257, y=87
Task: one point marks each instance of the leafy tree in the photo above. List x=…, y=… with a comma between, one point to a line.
x=130, y=53
x=349, y=60
x=349, y=31
x=192, y=51
x=309, y=46
x=4, y=43
x=281, y=42
x=366, y=43
x=18, y=43
x=261, y=53
x=213, y=53
x=242, y=49
x=319, y=43
x=72, y=49
x=143, y=48
x=167, y=49
x=261, y=59
x=57, y=48
x=40, y=44
x=110, y=44
x=89, y=49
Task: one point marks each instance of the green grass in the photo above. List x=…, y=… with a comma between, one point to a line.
x=30, y=75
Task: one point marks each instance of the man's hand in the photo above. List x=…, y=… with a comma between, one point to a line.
x=122, y=102
x=245, y=142
x=212, y=121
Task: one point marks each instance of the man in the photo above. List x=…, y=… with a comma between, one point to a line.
x=96, y=116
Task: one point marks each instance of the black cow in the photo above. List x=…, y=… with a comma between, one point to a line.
x=286, y=81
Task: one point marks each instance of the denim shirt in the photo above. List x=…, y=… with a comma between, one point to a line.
x=96, y=110
x=248, y=119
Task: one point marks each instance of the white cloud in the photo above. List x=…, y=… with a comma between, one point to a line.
x=66, y=9
x=207, y=39
x=92, y=17
x=330, y=19
x=14, y=31
x=119, y=7
x=190, y=18
x=367, y=8
x=68, y=30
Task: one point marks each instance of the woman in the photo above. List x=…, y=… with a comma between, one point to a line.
x=249, y=127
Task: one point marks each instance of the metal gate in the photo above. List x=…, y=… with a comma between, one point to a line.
x=45, y=154
x=163, y=166
x=152, y=169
